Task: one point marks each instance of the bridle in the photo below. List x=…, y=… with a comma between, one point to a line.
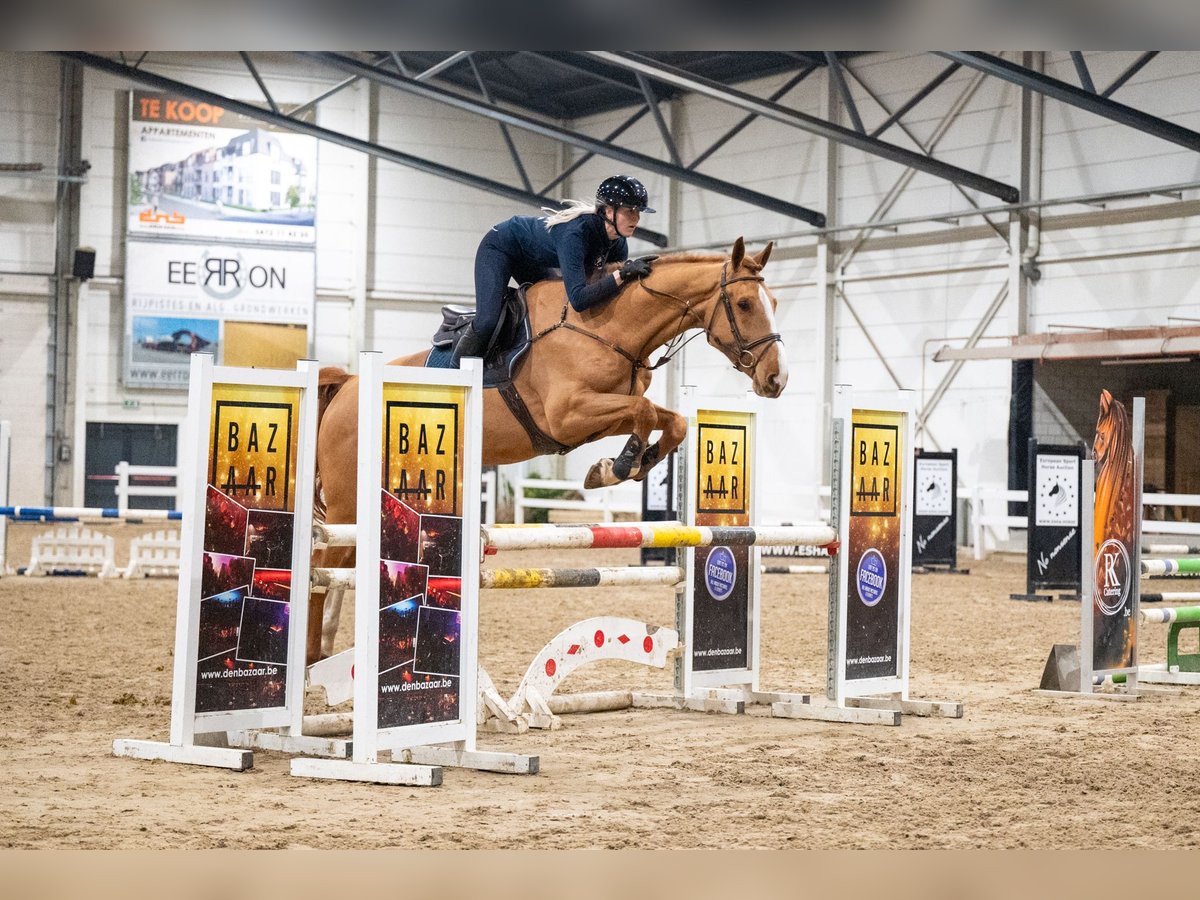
x=741, y=346
x=741, y=350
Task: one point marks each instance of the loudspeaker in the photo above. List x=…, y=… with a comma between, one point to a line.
x=84, y=266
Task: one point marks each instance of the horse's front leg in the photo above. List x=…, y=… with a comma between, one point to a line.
x=604, y=415
x=674, y=429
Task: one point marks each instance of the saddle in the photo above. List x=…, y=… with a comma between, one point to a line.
x=509, y=344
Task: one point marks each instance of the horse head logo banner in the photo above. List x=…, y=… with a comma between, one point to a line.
x=1116, y=532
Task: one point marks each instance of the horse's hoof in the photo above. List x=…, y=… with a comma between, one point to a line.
x=600, y=475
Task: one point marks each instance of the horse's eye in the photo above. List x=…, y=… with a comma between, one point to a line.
x=743, y=305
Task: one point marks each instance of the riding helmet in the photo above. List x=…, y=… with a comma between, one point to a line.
x=623, y=190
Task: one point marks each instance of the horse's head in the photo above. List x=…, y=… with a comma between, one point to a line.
x=742, y=325
x=1112, y=429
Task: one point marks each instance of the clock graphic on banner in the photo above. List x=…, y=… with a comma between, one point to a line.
x=933, y=487
x=658, y=488
x=1057, y=499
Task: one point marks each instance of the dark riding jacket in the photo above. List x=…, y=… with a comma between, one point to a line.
x=579, y=249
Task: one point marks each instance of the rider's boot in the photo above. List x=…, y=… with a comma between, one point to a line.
x=472, y=343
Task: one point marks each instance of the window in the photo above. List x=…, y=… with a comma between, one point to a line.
x=274, y=198
x=276, y=177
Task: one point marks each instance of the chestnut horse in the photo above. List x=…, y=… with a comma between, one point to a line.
x=584, y=378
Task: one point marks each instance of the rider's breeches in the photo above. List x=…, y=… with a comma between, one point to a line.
x=493, y=266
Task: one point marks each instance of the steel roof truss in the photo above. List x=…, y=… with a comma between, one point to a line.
x=915, y=99
x=740, y=126
x=1136, y=66
x=1081, y=69
x=813, y=124
x=258, y=80
x=926, y=149
x=652, y=104
x=579, y=163
x=512, y=147
x=1073, y=96
x=583, y=141
x=839, y=81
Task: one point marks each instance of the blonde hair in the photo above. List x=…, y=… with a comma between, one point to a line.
x=573, y=210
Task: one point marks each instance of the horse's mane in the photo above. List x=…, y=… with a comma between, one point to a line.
x=691, y=256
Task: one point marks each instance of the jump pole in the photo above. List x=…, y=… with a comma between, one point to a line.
x=249, y=441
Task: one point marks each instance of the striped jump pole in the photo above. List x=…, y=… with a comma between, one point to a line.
x=621, y=536
x=1171, y=615
x=1186, y=566
x=1180, y=597
x=657, y=535
x=594, y=577
x=85, y=512
x=516, y=579
x=1171, y=549
x=794, y=570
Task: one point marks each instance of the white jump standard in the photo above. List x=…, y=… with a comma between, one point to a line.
x=415, y=685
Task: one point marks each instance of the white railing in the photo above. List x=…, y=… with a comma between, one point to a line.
x=605, y=502
x=125, y=489
x=988, y=506
x=487, y=496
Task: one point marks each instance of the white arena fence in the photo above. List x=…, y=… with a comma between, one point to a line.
x=990, y=521
x=605, y=503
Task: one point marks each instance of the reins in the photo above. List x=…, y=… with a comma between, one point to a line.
x=747, y=360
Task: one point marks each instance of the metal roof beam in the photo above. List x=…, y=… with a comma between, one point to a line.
x=257, y=78
x=1137, y=66
x=812, y=124
x=916, y=98
x=249, y=110
x=574, y=138
x=587, y=157
x=512, y=147
x=652, y=103
x=839, y=81
x=740, y=126
x=1081, y=69
x=1073, y=96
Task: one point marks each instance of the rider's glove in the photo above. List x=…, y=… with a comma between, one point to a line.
x=636, y=268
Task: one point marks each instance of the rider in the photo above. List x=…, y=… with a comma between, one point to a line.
x=578, y=240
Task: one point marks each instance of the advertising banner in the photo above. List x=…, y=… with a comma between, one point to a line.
x=421, y=555
x=723, y=581
x=935, y=527
x=1054, y=517
x=1116, y=539
x=246, y=573
x=248, y=306
x=873, y=554
x=201, y=172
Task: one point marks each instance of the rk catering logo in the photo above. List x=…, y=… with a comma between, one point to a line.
x=225, y=277
x=1112, y=577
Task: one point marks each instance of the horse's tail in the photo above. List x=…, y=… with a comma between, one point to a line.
x=329, y=381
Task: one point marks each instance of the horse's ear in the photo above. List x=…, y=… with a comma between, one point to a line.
x=739, y=252
x=764, y=254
